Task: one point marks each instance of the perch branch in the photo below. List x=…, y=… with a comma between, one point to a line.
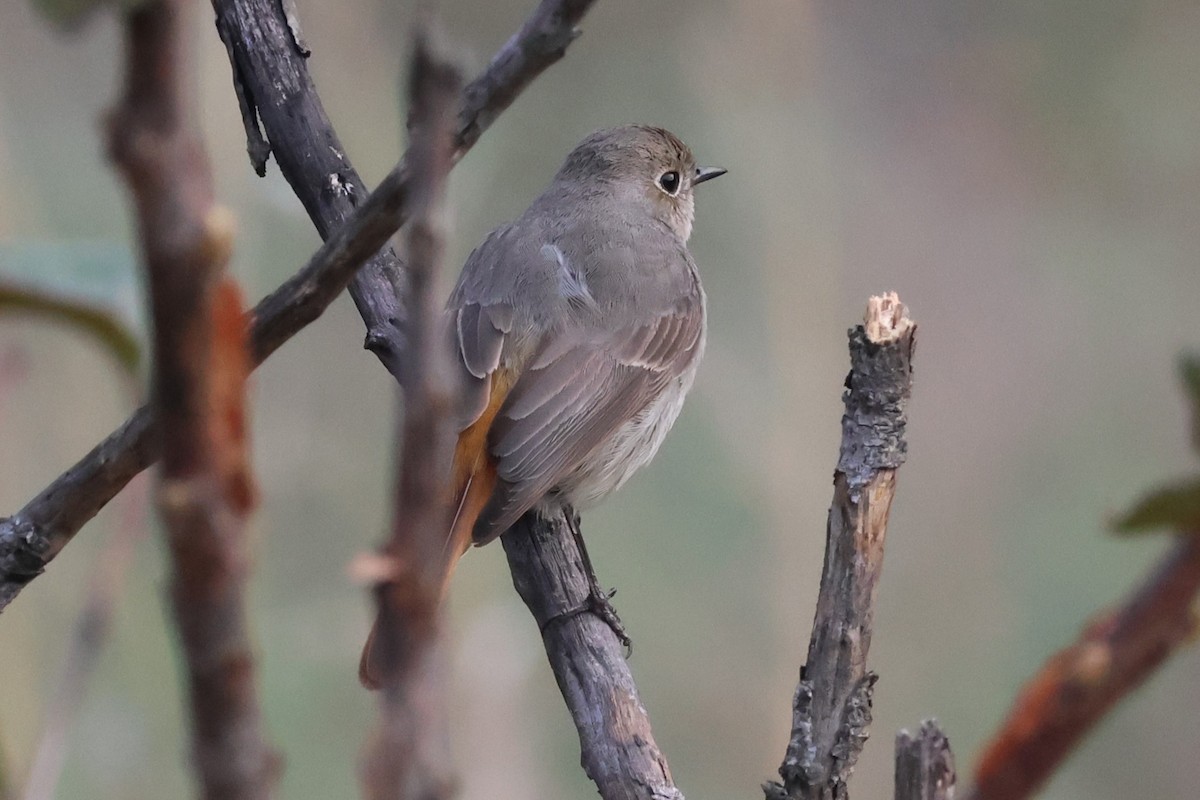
x=832, y=704
x=924, y=765
x=33, y=536
x=617, y=747
x=199, y=370
x=1114, y=654
x=407, y=757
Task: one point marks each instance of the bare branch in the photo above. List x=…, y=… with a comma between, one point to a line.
x=87, y=641
x=924, y=764
x=273, y=72
x=618, y=749
x=832, y=705
x=1074, y=689
x=33, y=536
x=408, y=755
x=198, y=384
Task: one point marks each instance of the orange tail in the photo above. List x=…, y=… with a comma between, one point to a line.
x=474, y=481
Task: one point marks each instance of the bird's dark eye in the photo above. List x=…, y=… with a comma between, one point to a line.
x=669, y=181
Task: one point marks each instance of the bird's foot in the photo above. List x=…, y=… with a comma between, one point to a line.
x=599, y=602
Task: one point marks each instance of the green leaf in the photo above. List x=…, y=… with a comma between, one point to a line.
x=1189, y=373
x=99, y=323
x=90, y=286
x=1176, y=507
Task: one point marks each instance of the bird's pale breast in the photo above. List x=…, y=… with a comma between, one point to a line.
x=630, y=448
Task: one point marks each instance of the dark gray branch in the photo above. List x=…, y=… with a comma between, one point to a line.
x=275, y=79
x=33, y=536
x=618, y=749
x=924, y=764
x=832, y=706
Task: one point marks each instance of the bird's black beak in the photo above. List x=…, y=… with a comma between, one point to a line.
x=707, y=174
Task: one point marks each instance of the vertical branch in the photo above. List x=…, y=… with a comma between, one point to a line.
x=617, y=748
x=832, y=704
x=200, y=365
x=407, y=756
x=924, y=764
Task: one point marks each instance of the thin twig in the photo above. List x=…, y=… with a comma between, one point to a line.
x=617, y=747
x=924, y=764
x=1074, y=689
x=33, y=536
x=408, y=755
x=197, y=389
x=832, y=704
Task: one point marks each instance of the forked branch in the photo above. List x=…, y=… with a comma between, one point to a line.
x=33, y=536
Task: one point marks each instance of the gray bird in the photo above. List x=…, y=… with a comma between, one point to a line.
x=579, y=327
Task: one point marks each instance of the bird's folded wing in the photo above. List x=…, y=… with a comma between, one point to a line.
x=480, y=331
x=578, y=390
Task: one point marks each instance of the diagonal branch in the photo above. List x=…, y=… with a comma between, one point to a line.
x=273, y=75
x=832, y=705
x=407, y=756
x=1115, y=653
x=33, y=536
x=198, y=382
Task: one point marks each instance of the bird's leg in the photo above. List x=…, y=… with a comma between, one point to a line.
x=599, y=600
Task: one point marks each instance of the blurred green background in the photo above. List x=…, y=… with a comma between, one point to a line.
x=1025, y=174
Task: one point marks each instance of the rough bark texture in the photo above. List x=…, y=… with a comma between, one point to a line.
x=831, y=709
x=199, y=371
x=33, y=536
x=271, y=71
x=408, y=756
x=618, y=749
x=1074, y=689
x=924, y=764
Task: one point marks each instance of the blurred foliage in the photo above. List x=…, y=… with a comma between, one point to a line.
x=90, y=288
x=1177, y=506
x=70, y=14
x=100, y=324
x=1189, y=373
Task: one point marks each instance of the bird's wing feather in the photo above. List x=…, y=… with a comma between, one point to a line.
x=480, y=323
x=575, y=393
